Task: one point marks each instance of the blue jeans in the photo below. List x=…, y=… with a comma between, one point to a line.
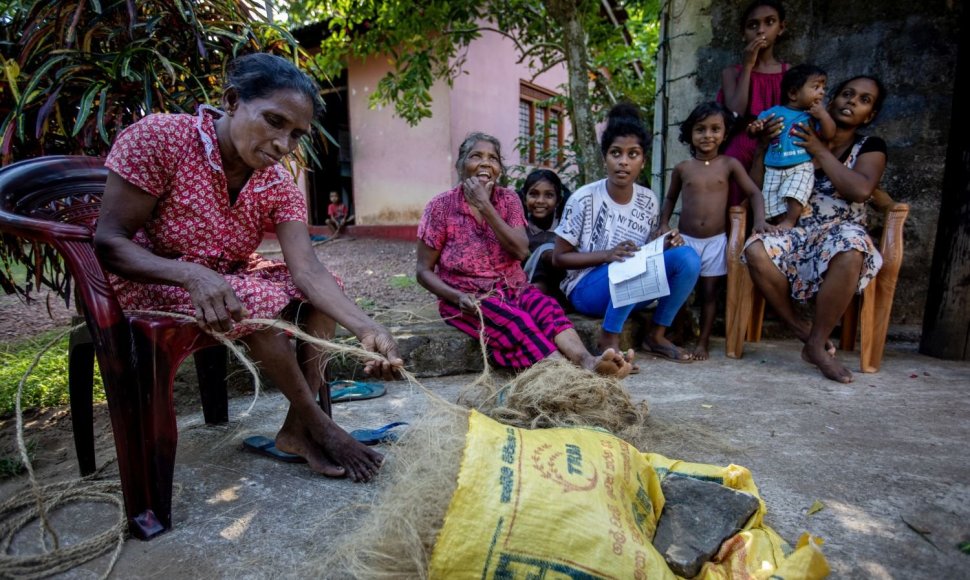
x=592, y=295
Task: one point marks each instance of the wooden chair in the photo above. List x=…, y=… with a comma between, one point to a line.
x=55, y=201
x=746, y=306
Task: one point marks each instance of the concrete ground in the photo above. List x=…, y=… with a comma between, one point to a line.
x=886, y=456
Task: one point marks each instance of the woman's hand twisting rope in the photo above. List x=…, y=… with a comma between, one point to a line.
x=468, y=304
x=216, y=305
x=379, y=340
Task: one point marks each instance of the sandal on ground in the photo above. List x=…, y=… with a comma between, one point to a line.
x=380, y=435
x=671, y=353
x=345, y=390
x=266, y=447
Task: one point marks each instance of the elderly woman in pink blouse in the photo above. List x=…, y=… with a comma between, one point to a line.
x=471, y=243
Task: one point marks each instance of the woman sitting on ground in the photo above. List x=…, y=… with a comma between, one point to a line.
x=607, y=221
x=471, y=241
x=183, y=211
x=543, y=196
x=828, y=255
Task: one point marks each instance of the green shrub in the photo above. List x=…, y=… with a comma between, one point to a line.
x=47, y=385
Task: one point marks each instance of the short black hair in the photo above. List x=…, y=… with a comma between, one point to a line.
x=795, y=77
x=701, y=112
x=758, y=3
x=259, y=75
x=623, y=121
x=880, y=98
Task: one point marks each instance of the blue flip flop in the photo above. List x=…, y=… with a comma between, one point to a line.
x=379, y=435
x=266, y=446
x=344, y=390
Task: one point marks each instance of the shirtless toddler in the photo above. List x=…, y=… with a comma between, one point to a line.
x=703, y=180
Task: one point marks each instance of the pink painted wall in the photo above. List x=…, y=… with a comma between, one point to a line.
x=487, y=99
x=398, y=168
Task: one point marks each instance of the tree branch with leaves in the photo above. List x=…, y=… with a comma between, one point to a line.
x=425, y=42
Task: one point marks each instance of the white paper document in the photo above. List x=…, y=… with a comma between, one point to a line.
x=641, y=277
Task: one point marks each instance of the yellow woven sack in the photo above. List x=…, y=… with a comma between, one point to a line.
x=581, y=503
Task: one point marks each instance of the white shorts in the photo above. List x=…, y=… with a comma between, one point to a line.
x=713, y=253
x=780, y=183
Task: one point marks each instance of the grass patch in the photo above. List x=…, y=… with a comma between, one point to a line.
x=12, y=466
x=366, y=304
x=403, y=281
x=47, y=385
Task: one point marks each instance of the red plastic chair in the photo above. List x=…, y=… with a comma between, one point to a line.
x=55, y=201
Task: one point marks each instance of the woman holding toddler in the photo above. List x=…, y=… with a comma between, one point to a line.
x=828, y=255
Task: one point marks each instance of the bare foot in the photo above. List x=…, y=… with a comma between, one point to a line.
x=336, y=454
x=829, y=365
x=700, y=352
x=803, y=332
x=608, y=340
x=612, y=364
x=316, y=458
x=360, y=461
x=665, y=349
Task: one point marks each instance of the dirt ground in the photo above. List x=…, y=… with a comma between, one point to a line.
x=379, y=274
x=882, y=454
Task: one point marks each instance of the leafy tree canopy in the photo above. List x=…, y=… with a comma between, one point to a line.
x=76, y=71
x=426, y=41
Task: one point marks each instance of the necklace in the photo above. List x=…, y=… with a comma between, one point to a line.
x=708, y=161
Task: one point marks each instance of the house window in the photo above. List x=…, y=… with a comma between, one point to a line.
x=540, y=126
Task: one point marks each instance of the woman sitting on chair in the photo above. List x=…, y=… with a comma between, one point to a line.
x=183, y=211
x=828, y=254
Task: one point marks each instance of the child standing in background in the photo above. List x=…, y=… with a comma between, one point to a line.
x=703, y=180
x=337, y=213
x=755, y=84
x=789, y=173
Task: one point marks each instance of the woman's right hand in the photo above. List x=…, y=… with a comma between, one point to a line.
x=216, y=305
x=378, y=339
x=468, y=304
x=749, y=57
x=622, y=251
x=808, y=139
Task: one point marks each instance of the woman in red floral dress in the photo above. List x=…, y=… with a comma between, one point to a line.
x=471, y=241
x=184, y=209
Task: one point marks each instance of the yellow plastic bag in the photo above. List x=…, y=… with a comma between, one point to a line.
x=581, y=503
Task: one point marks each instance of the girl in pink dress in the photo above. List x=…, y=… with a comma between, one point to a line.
x=755, y=84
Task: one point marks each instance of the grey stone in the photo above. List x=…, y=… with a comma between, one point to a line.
x=697, y=517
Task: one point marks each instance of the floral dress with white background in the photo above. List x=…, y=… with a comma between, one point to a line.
x=828, y=226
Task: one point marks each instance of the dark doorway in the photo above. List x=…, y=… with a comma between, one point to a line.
x=335, y=172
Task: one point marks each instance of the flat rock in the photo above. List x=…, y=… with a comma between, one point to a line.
x=697, y=517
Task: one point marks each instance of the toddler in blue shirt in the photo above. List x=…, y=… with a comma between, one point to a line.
x=789, y=174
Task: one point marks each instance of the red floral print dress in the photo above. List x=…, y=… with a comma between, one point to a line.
x=176, y=159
